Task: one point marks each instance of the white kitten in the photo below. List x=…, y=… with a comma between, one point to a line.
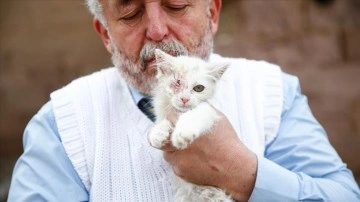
x=185, y=84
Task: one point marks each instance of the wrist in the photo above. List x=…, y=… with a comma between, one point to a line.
x=240, y=180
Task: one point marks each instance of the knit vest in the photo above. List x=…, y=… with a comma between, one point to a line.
x=105, y=134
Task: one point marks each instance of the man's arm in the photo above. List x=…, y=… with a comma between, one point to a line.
x=44, y=172
x=215, y=159
x=300, y=164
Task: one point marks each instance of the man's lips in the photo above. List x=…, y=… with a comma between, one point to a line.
x=149, y=64
x=150, y=61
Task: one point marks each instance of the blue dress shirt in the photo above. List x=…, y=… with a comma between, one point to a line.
x=299, y=165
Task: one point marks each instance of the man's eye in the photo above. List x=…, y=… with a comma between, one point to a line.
x=131, y=16
x=199, y=88
x=176, y=8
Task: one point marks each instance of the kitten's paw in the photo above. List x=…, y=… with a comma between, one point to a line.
x=158, y=138
x=182, y=138
x=159, y=134
x=185, y=133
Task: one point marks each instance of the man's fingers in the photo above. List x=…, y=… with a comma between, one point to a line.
x=168, y=147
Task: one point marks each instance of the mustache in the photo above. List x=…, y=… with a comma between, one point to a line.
x=170, y=46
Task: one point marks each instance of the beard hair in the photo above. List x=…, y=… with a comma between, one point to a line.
x=135, y=73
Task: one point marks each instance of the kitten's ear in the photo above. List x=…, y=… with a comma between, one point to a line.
x=161, y=55
x=217, y=69
x=164, y=61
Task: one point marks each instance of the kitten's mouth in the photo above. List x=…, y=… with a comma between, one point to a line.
x=183, y=108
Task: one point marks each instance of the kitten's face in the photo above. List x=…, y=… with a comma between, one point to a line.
x=187, y=81
x=189, y=88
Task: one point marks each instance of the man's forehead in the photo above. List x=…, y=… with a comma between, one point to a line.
x=124, y=3
x=121, y=2
x=118, y=2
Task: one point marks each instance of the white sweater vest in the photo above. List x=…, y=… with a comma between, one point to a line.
x=105, y=135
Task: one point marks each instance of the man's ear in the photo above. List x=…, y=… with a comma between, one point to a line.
x=215, y=8
x=103, y=33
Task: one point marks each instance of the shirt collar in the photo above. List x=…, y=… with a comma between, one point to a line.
x=136, y=95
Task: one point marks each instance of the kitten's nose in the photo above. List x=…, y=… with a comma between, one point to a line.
x=184, y=100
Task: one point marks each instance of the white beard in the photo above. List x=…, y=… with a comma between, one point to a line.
x=134, y=72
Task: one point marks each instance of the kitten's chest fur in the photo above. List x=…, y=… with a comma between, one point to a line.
x=185, y=84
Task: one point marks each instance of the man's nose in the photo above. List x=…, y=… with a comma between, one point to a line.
x=157, y=27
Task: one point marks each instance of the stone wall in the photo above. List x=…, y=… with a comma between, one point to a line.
x=45, y=44
x=319, y=41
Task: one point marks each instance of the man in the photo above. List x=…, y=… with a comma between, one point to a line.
x=89, y=141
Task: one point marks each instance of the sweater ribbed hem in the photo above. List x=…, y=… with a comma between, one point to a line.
x=69, y=130
x=273, y=100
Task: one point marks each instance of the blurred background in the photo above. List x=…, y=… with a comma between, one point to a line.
x=44, y=44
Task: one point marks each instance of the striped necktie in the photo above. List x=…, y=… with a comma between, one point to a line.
x=147, y=108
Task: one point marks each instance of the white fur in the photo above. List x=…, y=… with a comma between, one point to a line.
x=188, y=192
x=160, y=133
x=177, y=77
x=192, y=124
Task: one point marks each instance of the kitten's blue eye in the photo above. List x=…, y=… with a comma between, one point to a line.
x=199, y=88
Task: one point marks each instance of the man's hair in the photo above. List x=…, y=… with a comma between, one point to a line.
x=96, y=9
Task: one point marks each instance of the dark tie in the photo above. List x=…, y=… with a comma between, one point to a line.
x=146, y=107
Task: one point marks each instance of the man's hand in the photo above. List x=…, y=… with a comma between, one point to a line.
x=217, y=158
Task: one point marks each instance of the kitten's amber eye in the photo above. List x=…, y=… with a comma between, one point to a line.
x=199, y=88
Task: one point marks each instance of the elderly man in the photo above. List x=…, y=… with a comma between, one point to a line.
x=89, y=141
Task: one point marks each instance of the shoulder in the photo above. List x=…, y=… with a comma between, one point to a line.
x=88, y=86
x=103, y=75
x=270, y=75
x=44, y=119
x=242, y=62
x=256, y=68
x=291, y=91
x=43, y=158
x=245, y=68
